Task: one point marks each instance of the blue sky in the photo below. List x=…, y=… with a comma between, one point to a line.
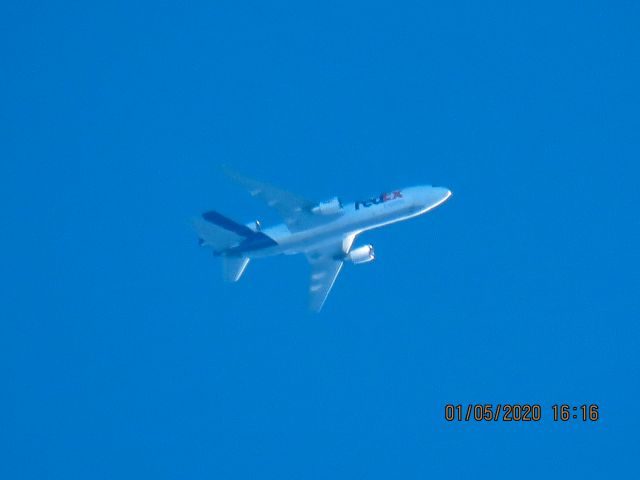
x=124, y=355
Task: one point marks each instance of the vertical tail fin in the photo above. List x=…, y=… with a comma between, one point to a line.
x=219, y=232
x=234, y=267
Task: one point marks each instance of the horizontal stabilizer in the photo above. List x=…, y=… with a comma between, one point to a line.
x=234, y=267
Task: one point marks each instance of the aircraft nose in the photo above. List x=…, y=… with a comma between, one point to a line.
x=429, y=197
x=442, y=193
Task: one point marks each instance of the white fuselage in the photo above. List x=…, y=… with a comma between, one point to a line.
x=354, y=218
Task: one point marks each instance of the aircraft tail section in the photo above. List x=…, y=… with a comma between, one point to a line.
x=223, y=235
x=219, y=232
x=234, y=267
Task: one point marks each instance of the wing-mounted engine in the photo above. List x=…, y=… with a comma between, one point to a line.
x=331, y=207
x=362, y=254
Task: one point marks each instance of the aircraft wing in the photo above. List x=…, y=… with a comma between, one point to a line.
x=295, y=210
x=326, y=263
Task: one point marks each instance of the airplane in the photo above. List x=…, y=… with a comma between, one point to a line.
x=323, y=231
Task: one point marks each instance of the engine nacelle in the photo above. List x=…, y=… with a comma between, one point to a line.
x=331, y=207
x=255, y=226
x=362, y=254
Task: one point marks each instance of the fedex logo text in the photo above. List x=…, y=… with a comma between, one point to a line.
x=384, y=197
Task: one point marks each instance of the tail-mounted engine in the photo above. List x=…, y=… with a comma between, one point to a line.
x=331, y=207
x=255, y=226
x=361, y=254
